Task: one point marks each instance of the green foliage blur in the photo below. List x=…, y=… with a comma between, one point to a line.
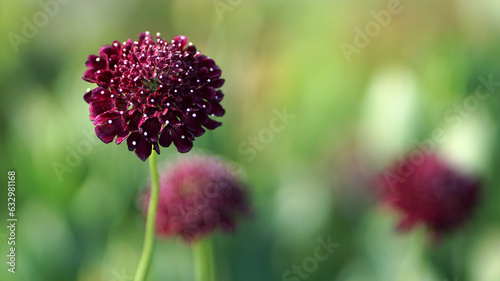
x=363, y=83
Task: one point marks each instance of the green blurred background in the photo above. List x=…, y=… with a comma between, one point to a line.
x=353, y=114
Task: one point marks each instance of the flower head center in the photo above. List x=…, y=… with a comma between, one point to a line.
x=152, y=85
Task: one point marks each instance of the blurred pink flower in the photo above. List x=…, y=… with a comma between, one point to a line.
x=197, y=195
x=429, y=191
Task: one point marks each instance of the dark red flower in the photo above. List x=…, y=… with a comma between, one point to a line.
x=153, y=92
x=197, y=195
x=427, y=190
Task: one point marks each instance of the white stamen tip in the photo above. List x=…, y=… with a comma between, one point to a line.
x=102, y=92
x=194, y=114
x=183, y=137
x=168, y=104
x=158, y=34
x=110, y=121
x=167, y=122
x=145, y=133
x=97, y=59
x=211, y=69
x=134, y=143
x=204, y=106
x=121, y=111
x=145, y=115
x=112, y=95
x=152, y=100
x=88, y=89
x=208, y=80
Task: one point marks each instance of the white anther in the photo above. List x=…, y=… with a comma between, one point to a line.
x=112, y=95
x=121, y=111
x=152, y=100
x=110, y=121
x=145, y=133
x=194, y=114
x=88, y=89
x=115, y=44
x=183, y=137
x=168, y=104
x=145, y=115
x=204, y=106
x=211, y=69
x=208, y=80
x=97, y=59
x=102, y=92
x=158, y=34
x=134, y=143
x=167, y=122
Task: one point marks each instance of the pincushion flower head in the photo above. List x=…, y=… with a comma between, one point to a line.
x=431, y=192
x=153, y=92
x=197, y=195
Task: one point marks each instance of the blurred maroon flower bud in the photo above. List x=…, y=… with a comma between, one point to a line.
x=428, y=191
x=197, y=195
x=153, y=92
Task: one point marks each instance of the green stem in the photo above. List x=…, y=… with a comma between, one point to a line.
x=147, y=250
x=203, y=260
